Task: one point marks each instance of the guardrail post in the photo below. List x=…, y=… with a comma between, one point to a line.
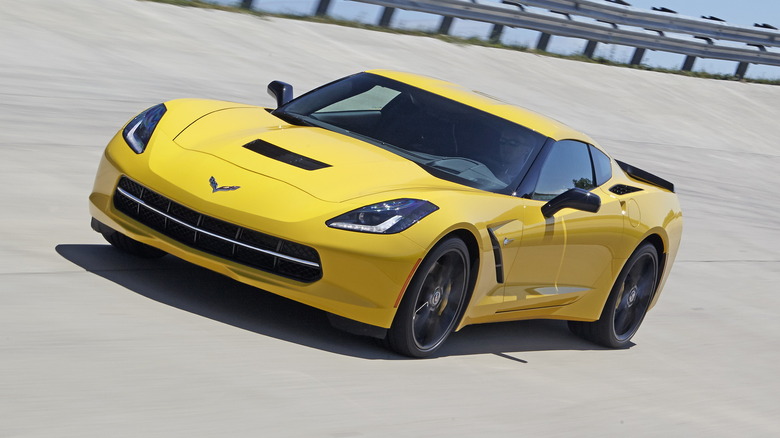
x=590, y=49
x=247, y=4
x=741, y=70
x=446, y=23
x=387, y=15
x=743, y=66
x=639, y=53
x=544, y=40
x=688, y=64
x=495, y=33
x=322, y=8
x=690, y=59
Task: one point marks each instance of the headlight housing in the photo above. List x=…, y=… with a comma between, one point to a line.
x=385, y=217
x=138, y=132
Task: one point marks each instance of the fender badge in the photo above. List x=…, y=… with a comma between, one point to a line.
x=216, y=188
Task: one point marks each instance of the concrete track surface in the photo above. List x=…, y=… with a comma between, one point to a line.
x=94, y=343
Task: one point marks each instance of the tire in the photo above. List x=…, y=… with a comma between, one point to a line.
x=130, y=246
x=433, y=302
x=627, y=304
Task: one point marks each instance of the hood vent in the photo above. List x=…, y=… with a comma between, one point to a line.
x=285, y=156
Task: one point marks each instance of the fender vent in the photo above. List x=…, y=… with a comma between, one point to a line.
x=499, y=258
x=285, y=156
x=622, y=189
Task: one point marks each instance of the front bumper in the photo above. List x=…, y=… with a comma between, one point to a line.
x=357, y=276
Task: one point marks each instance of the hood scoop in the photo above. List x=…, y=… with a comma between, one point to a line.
x=279, y=154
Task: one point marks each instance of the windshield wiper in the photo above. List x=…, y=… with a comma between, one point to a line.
x=292, y=118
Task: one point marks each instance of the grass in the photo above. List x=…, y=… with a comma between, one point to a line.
x=462, y=41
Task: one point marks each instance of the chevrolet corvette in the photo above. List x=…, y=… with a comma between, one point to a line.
x=404, y=206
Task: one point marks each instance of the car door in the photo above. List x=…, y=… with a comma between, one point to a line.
x=592, y=239
x=559, y=258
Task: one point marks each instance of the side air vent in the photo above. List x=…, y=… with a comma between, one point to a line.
x=499, y=258
x=622, y=189
x=285, y=156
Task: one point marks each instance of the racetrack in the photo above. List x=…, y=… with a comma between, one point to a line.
x=94, y=343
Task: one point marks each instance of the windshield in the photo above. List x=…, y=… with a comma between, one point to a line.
x=448, y=139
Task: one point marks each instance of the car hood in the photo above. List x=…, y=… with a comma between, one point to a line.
x=329, y=166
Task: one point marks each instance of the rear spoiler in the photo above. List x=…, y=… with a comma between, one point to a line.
x=644, y=176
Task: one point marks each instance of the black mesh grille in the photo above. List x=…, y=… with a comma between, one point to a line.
x=180, y=232
x=219, y=227
x=183, y=213
x=255, y=258
x=151, y=219
x=159, y=202
x=125, y=205
x=295, y=270
x=132, y=187
x=259, y=240
x=215, y=236
x=214, y=245
x=622, y=189
x=297, y=250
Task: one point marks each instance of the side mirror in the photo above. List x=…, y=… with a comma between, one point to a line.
x=578, y=199
x=281, y=91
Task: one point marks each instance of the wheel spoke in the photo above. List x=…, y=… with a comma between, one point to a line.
x=631, y=280
x=621, y=297
x=436, y=328
x=647, y=272
x=623, y=320
x=428, y=285
x=435, y=273
x=420, y=324
x=445, y=274
x=426, y=330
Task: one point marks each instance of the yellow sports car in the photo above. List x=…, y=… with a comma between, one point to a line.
x=404, y=206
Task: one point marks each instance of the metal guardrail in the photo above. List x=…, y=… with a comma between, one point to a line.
x=658, y=21
x=610, y=24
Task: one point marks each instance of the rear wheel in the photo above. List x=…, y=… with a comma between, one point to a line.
x=627, y=303
x=130, y=246
x=433, y=302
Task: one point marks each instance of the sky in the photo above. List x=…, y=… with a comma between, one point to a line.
x=736, y=12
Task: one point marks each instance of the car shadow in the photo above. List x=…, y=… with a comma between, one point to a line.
x=177, y=283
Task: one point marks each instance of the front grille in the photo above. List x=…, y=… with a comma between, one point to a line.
x=215, y=236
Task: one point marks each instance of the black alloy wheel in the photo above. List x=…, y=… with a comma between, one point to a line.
x=433, y=302
x=627, y=304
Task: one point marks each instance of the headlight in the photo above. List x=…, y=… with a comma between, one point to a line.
x=384, y=218
x=138, y=132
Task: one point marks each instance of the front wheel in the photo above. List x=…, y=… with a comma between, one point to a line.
x=433, y=301
x=627, y=303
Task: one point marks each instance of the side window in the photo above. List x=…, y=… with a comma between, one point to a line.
x=601, y=165
x=566, y=166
